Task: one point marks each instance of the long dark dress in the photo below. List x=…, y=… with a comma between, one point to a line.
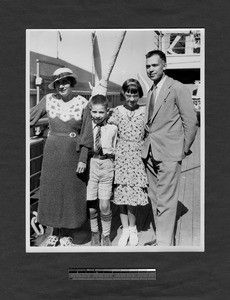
x=62, y=200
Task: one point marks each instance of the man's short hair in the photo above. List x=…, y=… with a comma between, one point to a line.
x=99, y=99
x=156, y=52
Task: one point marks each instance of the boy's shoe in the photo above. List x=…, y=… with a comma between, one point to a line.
x=66, y=241
x=95, y=239
x=105, y=240
x=52, y=241
x=133, y=237
x=123, y=241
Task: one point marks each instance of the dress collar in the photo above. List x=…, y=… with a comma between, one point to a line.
x=131, y=108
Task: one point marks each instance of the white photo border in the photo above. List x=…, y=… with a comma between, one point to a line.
x=112, y=249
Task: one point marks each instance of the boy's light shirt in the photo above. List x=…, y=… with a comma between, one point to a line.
x=108, y=137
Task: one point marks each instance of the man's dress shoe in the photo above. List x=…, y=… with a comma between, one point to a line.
x=151, y=243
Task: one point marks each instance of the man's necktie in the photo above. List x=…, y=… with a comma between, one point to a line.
x=98, y=147
x=152, y=103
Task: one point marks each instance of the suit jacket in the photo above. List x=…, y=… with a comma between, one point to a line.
x=173, y=125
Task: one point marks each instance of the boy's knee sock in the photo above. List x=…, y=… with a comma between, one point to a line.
x=93, y=221
x=106, y=223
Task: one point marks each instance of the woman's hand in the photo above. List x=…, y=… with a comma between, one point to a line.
x=81, y=167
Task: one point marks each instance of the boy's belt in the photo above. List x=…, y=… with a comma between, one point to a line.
x=105, y=156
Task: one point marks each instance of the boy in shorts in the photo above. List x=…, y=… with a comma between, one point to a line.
x=101, y=174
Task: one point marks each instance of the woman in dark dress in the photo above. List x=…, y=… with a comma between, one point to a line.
x=62, y=203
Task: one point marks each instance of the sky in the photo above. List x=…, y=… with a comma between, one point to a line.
x=76, y=48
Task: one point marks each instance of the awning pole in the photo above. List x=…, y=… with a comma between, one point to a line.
x=38, y=87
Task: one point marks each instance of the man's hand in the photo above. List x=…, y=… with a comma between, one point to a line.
x=81, y=167
x=187, y=154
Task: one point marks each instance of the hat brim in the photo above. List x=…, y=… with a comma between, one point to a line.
x=51, y=85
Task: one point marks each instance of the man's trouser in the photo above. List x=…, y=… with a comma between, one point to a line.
x=164, y=179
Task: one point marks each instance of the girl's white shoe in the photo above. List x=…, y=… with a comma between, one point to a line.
x=133, y=237
x=123, y=241
x=66, y=241
x=52, y=241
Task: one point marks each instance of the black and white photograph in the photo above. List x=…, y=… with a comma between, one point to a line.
x=114, y=152
x=115, y=140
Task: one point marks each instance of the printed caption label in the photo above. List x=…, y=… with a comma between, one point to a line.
x=112, y=274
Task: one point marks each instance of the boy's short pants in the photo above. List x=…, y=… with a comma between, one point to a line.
x=100, y=179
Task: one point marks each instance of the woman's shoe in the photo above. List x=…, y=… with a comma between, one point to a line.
x=66, y=241
x=133, y=238
x=95, y=239
x=123, y=241
x=52, y=241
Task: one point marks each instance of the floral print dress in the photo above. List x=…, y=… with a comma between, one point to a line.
x=130, y=176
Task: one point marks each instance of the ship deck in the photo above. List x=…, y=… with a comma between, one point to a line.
x=188, y=221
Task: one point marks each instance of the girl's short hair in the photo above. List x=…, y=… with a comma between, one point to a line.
x=131, y=86
x=99, y=99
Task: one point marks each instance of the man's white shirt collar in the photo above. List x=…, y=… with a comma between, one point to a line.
x=158, y=86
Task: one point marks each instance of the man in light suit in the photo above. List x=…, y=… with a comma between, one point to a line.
x=171, y=126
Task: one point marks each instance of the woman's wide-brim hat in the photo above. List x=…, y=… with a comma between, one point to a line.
x=60, y=74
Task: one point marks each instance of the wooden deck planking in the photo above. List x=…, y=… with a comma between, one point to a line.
x=196, y=201
x=186, y=219
x=189, y=233
x=180, y=201
x=188, y=224
x=196, y=209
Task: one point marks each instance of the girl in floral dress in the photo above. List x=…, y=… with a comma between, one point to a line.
x=130, y=177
